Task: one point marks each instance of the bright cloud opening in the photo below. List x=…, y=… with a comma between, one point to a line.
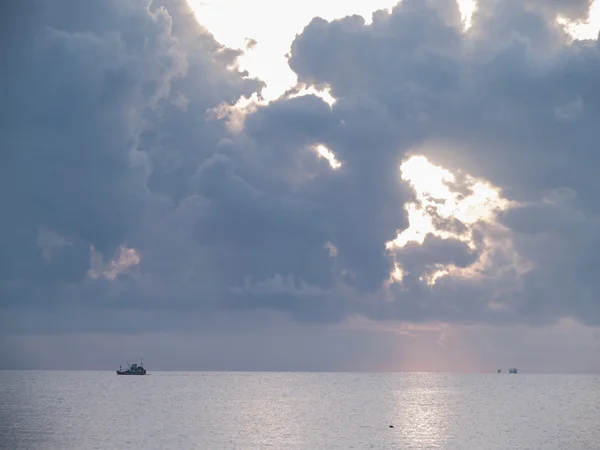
x=271, y=38
x=397, y=274
x=324, y=94
x=443, y=198
x=584, y=30
x=435, y=197
x=235, y=115
x=324, y=152
x=467, y=8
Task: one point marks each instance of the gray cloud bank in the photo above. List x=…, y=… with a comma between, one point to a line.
x=109, y=143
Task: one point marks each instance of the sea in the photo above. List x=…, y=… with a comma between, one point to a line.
x=261, y=410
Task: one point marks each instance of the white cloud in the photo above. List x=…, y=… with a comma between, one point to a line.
x=121, y=262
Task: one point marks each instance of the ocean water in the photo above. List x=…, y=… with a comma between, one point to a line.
x=212, y=410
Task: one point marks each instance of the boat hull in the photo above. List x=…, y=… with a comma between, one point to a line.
x=132, y=369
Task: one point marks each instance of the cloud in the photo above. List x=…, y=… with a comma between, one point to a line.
x=251, y=43
x=504, y=101
x=95, y=98
x=132, y=185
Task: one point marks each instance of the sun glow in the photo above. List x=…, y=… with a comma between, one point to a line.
x=467, y=8
x=234, y=115
x=587, y=29
x=450, y=207
x=266, y=41
x=324, y=94
x=324, y=152
x=435, y=199
x=397, y=274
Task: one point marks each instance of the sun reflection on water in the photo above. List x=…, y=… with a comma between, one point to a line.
x=422, y=411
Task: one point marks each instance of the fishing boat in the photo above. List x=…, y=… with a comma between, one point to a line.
x=512, y=370
x=133, y=369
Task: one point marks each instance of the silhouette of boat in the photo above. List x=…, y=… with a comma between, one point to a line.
x=512, y=370
x=133, y=369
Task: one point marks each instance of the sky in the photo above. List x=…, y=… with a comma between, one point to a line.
x=317, y=185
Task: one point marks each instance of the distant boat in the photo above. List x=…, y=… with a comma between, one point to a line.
x=499, y=370
x=133, y=369
x=512, y=370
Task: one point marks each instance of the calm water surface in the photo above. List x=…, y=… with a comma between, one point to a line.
x=196, y=410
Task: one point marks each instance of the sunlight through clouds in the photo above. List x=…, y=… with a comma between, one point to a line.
x=467, y=8
x=432, y=186
x=584, y=30
x=271, y=26
x=397, y=274
x=324, y=94
x=467, y=203
x=235, y=115
x=324, y=152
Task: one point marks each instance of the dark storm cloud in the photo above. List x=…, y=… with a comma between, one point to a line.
x=108, y=140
